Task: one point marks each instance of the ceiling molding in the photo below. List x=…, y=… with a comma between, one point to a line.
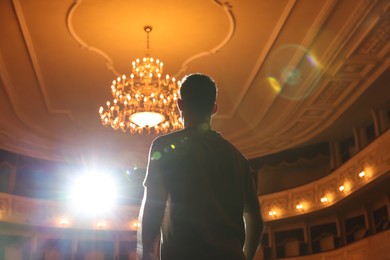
x=38, y=74
x=228, y=9
x=83, y=44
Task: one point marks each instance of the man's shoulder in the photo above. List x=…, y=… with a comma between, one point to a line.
x=170, y=140
x=166, y=138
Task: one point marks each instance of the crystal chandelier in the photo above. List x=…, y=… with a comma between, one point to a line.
x=145, y=101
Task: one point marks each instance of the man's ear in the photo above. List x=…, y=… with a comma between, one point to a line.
x=180, y=104
x=215, y=109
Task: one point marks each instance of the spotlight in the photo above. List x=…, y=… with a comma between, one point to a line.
x=93, y=194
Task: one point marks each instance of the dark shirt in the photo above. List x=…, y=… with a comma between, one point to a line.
x=209, y=186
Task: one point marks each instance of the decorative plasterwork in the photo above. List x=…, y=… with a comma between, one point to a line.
x=226, y=7
x=82, y=43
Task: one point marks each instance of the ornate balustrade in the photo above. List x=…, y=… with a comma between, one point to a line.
x=369, y=164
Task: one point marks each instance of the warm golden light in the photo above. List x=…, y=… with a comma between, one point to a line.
x=324, y=199
x=101, y=224
x=147, y=119
x=299, y=206
x=135, y=225
x=274, y=84
x=362, y=174
x=341, y=188
x=145, y=101
x=272, y=213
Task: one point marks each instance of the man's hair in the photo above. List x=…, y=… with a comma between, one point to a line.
x=198, y=93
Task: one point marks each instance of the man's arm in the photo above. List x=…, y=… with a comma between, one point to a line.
x=254, y=226
x=151, y=216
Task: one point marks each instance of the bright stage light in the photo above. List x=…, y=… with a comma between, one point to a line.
x=93, y=194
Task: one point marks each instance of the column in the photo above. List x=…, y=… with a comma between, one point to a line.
x=335, y=155
x=383, y=120
x=116, y=247
x=12, y=180
x=377, y=121
x=33, y=247
x=341, y=230
x=74, y=248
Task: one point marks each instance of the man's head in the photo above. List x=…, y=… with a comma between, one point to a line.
x=198, y=93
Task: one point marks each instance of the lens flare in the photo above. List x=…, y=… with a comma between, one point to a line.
x=293, y=72
x=274, y=84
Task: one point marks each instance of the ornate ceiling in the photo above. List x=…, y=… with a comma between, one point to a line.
x=287, y=70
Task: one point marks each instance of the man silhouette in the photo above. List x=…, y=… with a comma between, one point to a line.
x=198, y=188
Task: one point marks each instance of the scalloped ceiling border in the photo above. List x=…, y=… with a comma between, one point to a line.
x=109, y=62
x=83, y=44
x=227, y=7
x=35, y=65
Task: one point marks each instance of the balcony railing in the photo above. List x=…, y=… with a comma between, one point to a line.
x=367, y=165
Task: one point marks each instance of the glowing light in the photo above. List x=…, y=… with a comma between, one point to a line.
x=274, y=84
x=101, y=224
x=173, y=146
x=324, y=199
x=272, y=213
x=149, y=119
x=135, y=225
x=64, y=222
x=299, y=206
x=93, y=194
x=341, y=188
x=362, y=174
x=293, y=71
